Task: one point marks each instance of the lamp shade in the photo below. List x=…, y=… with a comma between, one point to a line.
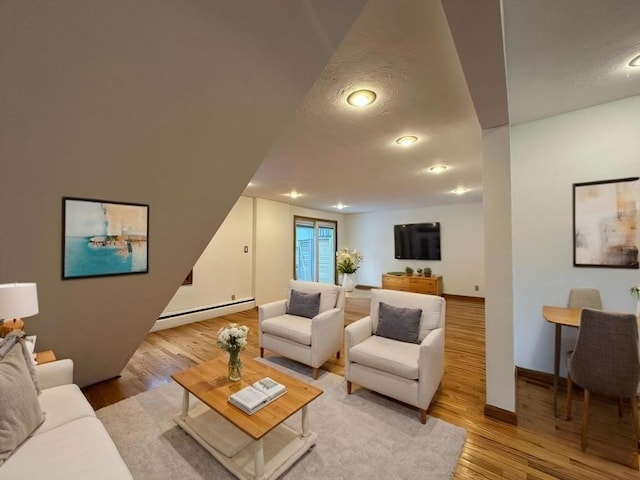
x=18, y=300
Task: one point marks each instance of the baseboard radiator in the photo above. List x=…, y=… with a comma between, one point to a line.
x=183, y=317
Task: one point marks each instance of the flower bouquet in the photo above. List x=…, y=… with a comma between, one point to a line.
x=348, y=261
x=233, y=339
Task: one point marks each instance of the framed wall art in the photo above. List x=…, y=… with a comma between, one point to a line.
x=104, y=238
x=606, y=223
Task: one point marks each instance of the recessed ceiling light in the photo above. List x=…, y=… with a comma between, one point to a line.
x=340, y=206
x=293, y=194
x=407, y=140
x=460, y=190
x=635, y=62
x=438, y=168
x=361, y=98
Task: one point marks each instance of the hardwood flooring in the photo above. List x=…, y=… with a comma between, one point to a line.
x=540, y=447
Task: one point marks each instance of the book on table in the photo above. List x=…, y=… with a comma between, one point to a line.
x=252, y=398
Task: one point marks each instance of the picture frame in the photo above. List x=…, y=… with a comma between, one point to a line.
x=606, y=223
x=102, y=238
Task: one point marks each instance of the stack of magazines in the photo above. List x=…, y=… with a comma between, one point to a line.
x=252, y=398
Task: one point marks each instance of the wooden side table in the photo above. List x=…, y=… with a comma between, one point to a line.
x=45, y=357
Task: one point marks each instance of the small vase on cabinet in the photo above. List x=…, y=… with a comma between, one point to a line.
x=347, y=282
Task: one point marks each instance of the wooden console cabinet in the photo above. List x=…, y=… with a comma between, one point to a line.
x=413, y=283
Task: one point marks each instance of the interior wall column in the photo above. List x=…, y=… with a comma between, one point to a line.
x=500, y=362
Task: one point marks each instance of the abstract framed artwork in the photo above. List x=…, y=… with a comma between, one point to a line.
x=102, y=238
x=606, y=223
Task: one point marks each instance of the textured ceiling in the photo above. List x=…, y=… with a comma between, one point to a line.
x=439, y=72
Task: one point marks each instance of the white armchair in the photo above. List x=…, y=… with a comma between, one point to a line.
x=409, y=371
x=311, y=339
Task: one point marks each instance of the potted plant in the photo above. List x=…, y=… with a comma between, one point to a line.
x=408, y=271
x=347, y=263
x=427, y=272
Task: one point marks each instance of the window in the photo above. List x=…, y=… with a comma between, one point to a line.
x=315, y=250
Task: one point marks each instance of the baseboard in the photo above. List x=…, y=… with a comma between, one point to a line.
x=175, y=319
x=464, y=297
x=500, y=414
x=540, y=378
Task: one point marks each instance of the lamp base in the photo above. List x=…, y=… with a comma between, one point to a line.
x=9, y=325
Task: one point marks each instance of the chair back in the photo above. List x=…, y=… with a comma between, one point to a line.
x=585, y=298
x=331, y=296
x=432, y=306
x=605, y=359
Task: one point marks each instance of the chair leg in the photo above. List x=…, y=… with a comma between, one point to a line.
x=338, y=354
x=315, y=373
x=636, y=425
x=261, y=352
x=569, y=396
x=423, y=416
x=585, y=419
x=348, y=387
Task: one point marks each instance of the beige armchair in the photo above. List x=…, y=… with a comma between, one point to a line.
x=306, y=327
x=399, y=349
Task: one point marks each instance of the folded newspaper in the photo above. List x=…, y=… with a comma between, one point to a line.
x=252, y=398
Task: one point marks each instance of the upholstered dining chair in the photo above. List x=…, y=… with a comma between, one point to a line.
x=398, y=350
x=307, y=326
x=605, y=361
x=585, y=298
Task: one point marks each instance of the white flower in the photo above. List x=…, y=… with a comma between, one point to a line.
x=233, y=338
x=348, y=261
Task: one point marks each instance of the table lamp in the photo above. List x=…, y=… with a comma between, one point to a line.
x=17, y=300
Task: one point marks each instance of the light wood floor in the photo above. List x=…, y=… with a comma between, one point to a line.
x=540, y=447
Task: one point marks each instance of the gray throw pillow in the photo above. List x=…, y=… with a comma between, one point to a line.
x=399, y=323
x=304, y=304
x=20, y=412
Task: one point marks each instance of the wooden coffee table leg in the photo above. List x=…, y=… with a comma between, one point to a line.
x=259, y=459
x=185, y=403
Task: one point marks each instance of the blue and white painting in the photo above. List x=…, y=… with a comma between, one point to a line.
x=102, y=238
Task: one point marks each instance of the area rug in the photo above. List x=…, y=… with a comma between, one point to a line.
x=360, y=436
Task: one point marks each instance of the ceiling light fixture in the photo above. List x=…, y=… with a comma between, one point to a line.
x=293, y=194
x=438, y=168
x=460, y=190
x=635, y=62
x=340, y=206
x=361, y=98
x=407, y=140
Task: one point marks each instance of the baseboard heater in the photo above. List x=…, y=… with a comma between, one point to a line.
x=183, y=317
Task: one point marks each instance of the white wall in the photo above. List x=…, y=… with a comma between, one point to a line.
x=222, y=275
x=547, y=157
x=462, y=245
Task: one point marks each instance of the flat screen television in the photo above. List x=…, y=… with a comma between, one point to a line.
x=417, y=241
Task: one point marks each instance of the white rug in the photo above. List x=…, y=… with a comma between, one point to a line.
x=360, y=436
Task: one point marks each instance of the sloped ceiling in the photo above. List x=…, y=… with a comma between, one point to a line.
x=147, y=102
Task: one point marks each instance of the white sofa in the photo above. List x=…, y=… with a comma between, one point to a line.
x=71, y=444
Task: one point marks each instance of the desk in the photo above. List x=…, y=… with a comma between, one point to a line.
x=560, y=316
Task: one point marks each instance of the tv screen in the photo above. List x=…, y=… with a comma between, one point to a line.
x=417, y=241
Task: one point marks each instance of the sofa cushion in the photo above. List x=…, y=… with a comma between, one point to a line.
x=304, y=304
x=328, y=292
x=81, y=449
x=399, y=323
x=398, y=358
x=294, y=328
x=61, y=405
x=20, y=412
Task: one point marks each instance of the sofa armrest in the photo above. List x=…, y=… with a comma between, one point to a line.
x=430, y=366
x=326, y=335
x=270, y=310
x=56, y=373
x=355, y=333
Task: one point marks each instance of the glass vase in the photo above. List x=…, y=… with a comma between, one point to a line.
x=235, y=366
